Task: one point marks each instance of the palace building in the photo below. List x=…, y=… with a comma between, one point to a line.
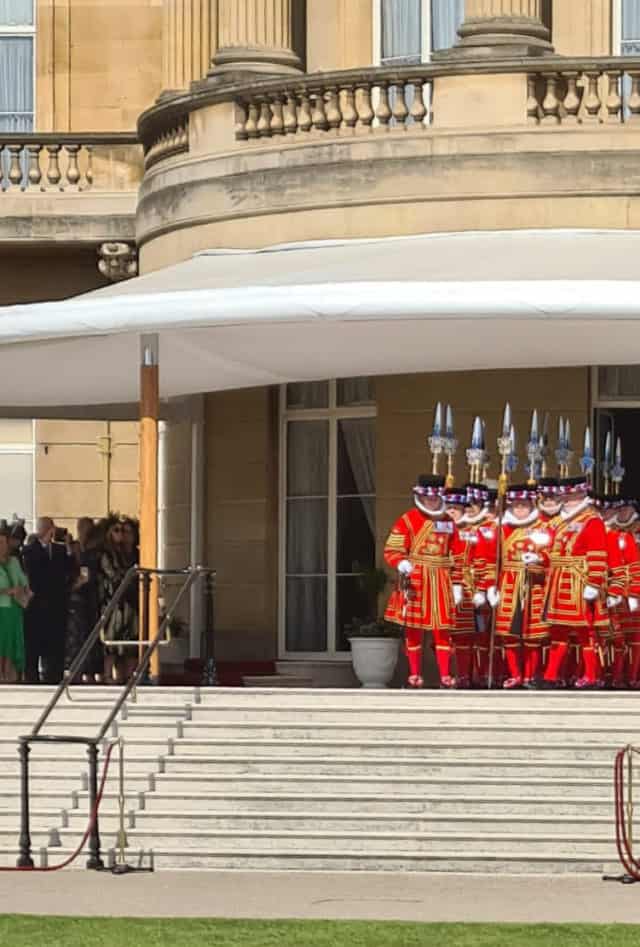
x=343, y=162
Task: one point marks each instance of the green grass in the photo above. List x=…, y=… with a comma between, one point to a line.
x=19, y=931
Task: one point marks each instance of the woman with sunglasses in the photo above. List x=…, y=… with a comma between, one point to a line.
x=121, y=658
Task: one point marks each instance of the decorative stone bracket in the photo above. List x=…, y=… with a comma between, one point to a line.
x=118, y=261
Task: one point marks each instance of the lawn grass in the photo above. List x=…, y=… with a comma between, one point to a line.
x=26, y=931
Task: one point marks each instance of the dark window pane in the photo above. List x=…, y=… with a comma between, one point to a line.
x=356, y=548
x=352, y=602
x=308, y=394
x=355, y=391
x=307, y=458
x=356, y=456
x=306, y=628
x=306, y=536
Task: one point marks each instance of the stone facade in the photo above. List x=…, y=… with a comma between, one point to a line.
x=264, y=123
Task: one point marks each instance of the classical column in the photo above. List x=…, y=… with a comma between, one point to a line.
x=502, y=29
x=188, y=41
x=256, y=36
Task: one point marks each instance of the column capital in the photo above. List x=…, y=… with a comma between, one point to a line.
x=500, y=29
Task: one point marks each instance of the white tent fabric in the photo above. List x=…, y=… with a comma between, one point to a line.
x=238, y=318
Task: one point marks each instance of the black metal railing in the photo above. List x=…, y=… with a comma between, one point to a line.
x=149, y=645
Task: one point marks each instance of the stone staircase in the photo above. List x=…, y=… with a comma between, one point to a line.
x=285, y=779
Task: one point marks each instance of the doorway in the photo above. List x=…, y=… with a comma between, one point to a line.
x=623, y=423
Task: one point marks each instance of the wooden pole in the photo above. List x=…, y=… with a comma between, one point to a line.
x=149, y=411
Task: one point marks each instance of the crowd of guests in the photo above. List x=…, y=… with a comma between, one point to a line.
x=53, y=588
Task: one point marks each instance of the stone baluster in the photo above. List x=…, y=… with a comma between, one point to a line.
x=73, y=171
x=418, y=109
x=400, y=111
x=15, y=166
x=34, y=174
x=334, y=114
x=290, y=114
x=533, y=106
x=571, y=103
x=383, y=112
x=251, y=126
x=319, y=115
x=264, y=122
x=613, y=100
x=88, y=175
x=592, y=102
x=551, y=102
x=633, y=102
x=365, y=107
x=349, y=113
x=277, y=109
x=53, y=165
x=305, y=121
x=242, y=115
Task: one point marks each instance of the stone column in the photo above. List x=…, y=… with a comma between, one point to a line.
x=501, y=29
x=188, y=32
x=256, y=36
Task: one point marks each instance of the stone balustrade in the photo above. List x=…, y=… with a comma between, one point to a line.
x=37, y=162
x=592, y=94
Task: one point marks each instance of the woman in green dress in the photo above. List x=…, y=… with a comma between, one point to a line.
x=14, y=592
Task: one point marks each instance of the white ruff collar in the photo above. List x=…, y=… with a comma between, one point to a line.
x=624, y=524
x=474, y=520
x=569, y=514
x=434, y=515
x=510, y=520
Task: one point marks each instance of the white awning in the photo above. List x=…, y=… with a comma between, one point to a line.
x=238, y=318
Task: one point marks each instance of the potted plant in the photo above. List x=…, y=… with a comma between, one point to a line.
x=374, y=642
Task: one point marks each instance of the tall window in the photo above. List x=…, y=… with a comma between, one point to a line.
x=17, y=36
x=410, y=30
x=327, y=512
x=629, y=27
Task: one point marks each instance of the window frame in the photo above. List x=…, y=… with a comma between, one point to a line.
x=333, y=414
x=25, y=448
x=27, y=31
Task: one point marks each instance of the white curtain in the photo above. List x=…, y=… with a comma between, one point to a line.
x=630, y=21
x=359, y=438
x=16, y=83
x=446, y=17
x=401, y=31
x=16, y=13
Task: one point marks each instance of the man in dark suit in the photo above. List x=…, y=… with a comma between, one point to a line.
x=49, y=567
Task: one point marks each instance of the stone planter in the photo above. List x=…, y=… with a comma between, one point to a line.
x=374, y=660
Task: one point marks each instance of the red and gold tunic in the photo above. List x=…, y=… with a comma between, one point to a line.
x=427, y=542
x=521, y=586
x=464, y=551
x=578, y=557
x=625, y=561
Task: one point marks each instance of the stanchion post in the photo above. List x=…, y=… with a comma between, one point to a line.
x=94, y=861
x=24, y=859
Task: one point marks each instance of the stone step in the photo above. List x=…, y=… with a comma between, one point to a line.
x=486, y=785
x=278, y=681
x=593, y=843
x=391, y=732
x=329, y=802
x=194, y=821
x=357, y=766
x=402, y=749
x=39, y=696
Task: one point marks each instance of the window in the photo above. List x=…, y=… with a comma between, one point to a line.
x=629, y=13
x=17, y=36
x=618, y=383
x=410, y=30
x=327, y=512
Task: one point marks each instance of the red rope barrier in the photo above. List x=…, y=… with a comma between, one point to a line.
x=623, y=842
x=91, y=824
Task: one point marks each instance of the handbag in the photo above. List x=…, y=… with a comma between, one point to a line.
x=23, y=594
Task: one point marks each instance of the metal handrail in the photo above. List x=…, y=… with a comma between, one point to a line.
x=192, y=575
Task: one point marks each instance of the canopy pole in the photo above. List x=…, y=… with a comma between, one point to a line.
x=149, y=411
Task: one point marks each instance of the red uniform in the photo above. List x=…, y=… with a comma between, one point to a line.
x=427, y=541
x=611, y=640
x=485, y=577
x=630, y=621
x=463, y=634
x=578, y=564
